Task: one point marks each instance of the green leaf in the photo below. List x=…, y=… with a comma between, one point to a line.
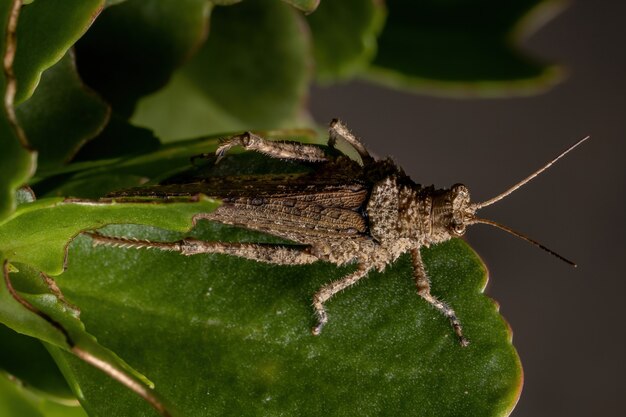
x=46, y=30
x=224, y=328
x=34, y=306
x=20, y=318
x=344, y=36
x=62, y=115
x=37, y=233
x=17, y=160
x=34, y=309
x=247, y=324
x=134, y=46
x=251, y=73
x=463, y=47
x=211, y=328
x=16, y=400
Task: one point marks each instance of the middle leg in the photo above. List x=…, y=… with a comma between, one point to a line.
x=423, y=289
x=329, y=290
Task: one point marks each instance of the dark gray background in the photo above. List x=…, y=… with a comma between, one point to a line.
x=568, y=323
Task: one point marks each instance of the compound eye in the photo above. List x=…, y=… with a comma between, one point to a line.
x=458, y=229
x=460, y=189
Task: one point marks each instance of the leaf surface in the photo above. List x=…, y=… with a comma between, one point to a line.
x=64, y=109
x=31, y=304
x=463, y=47
x=251, y=73
x=224, y=328
x=344, y=36
x=133, y=47
x=16, y=400
x=46, y=30
x=61, y=220
x=17, y=160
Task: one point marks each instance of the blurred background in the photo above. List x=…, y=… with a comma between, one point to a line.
x=567, y=322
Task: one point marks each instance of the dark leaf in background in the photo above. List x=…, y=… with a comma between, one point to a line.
x=252, y=73
x=17, y=162
x=133, y=47
x=46, y=30
x=458, y=48
x=62, y=114
x=27, y=359
x=344, y=37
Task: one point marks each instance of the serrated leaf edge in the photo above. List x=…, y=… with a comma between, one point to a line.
x=140, y=388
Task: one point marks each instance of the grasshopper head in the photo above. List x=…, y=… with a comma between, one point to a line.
x=452, y=211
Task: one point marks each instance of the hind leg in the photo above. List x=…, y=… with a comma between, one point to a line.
x=338, y=130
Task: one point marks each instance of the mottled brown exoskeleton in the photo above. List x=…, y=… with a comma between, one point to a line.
x=343, y=211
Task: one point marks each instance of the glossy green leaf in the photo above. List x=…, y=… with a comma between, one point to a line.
x=134, y=46
x=21, y=234
x=62, y=114
x=40, y=311
x=16, y=400
x=344, y=36
x=34, y=308
x=17, y=162
x=463, y=47
x=225, y=328
x=37, y=234
x=251, y=73
x=220, y=335
x=20, y=318
x=46, y=30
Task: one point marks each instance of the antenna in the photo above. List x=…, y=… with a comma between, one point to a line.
x=527, y=179
x=524, y=237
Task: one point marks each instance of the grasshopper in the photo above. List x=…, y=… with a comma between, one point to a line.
x=367, y=212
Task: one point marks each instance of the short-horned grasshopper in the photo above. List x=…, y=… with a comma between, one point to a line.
x=343, y=211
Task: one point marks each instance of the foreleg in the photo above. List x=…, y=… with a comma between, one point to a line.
x=423, y=289
x=275, y=149
x=266, y=253
x=329, y=290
